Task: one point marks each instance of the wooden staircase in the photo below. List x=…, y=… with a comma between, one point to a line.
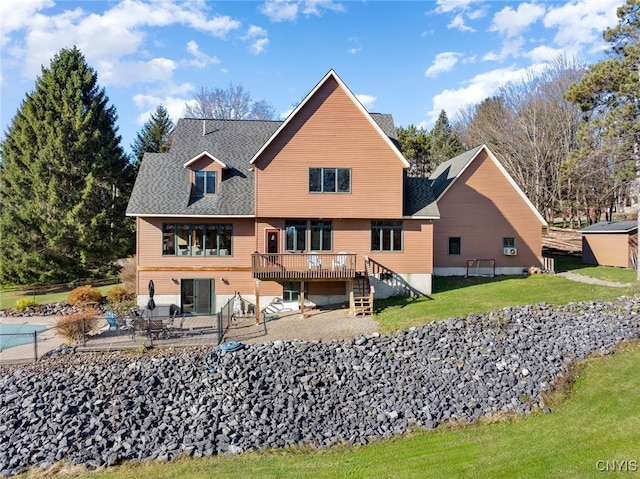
x=362, y=295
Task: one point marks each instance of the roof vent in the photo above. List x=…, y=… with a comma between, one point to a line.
x=204, y=124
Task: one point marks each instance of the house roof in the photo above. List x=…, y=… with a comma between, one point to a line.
x=333, y=75
x=449, y=171
x=163, y=184
x=419, y=201
x=611, y=227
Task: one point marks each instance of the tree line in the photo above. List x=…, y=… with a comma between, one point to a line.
x=568, y=134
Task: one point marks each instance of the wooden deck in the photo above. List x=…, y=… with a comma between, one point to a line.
x=303, y=266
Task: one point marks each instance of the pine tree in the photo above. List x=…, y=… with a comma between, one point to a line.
x=155, y=135
x=445, y=143
x=609, y=96
x=64, y=179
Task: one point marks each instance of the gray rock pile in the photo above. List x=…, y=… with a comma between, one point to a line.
x=99, y=410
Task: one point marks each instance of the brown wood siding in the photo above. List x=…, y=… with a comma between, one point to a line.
x=329, y=131
x=481, y=208
x=354, y=236
x=206, y=164
x=152, y=264
x=608, y=249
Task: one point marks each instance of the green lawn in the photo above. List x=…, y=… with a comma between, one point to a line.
x=453, y=297
x=8, y=298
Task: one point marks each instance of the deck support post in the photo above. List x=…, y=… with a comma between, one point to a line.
x=352, y=301
x=257, y=311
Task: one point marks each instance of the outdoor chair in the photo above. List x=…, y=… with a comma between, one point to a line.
x=112, y=321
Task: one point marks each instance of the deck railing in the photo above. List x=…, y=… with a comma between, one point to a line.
x=303, y=266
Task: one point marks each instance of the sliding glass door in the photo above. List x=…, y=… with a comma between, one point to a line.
x=197, y=296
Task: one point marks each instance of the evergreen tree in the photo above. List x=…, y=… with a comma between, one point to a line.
x=155, y=135
x=414, y=145
x=64, y=179
x=609, y=96
x=445, y=143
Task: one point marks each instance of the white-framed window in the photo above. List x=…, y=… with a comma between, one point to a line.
x=205, y=183
x=330, y=180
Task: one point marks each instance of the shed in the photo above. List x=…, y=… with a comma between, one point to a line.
x=610, y=244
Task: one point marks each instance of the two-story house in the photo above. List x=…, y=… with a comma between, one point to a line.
x=314, y=206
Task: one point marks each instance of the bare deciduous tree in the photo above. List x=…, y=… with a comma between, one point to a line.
x=234, y=103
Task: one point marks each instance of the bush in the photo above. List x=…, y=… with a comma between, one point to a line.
x=23, y=304
x=128, y=277
x=83, y=295
x=75, y=326
x=118, y=294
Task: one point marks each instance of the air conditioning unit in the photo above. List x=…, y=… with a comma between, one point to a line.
x=509, y=251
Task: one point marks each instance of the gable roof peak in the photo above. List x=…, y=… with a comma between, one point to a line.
x=331, y=74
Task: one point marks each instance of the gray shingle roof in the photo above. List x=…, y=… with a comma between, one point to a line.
x=163, y=188
x=611, y=227
x=449, y=170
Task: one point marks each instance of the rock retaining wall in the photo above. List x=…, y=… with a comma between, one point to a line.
x=99, y=410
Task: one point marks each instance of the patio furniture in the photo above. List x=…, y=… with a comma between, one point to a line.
x=112, y=321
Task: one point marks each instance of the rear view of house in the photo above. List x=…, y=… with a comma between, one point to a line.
x=312, y=207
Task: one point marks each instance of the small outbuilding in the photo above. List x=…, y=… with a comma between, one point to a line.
x=610, y=244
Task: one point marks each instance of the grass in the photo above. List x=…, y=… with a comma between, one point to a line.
x=458, y=297
x=8, y=298
x=598, y=419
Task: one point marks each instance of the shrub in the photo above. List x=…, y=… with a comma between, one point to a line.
x=128, y=277
x=74, y=326
x=23, y=304
x=83, y=295
x=118, y=294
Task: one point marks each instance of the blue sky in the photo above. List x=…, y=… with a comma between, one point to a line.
x=408, y=58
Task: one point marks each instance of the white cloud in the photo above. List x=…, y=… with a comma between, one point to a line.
x=459, y=24
x=259, y=46
x=122, y=30
x=173, y=99
x=478, y=88
x=581, y=22
x=15, y=15
x=544, y=53
x=258, y=37
x=443, y=62
x=128, y=73
x=445, y=6
x=201, y=59
x=368, y=101
x=288, y=10
x=511, y=23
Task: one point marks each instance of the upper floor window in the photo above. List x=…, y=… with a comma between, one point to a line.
x=205, y=183
x=330, y=180
x=386, y=236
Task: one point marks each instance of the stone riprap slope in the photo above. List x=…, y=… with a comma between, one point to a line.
x=98, y=410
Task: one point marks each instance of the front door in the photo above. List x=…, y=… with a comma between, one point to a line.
x=273, y=241
x=197, y=296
